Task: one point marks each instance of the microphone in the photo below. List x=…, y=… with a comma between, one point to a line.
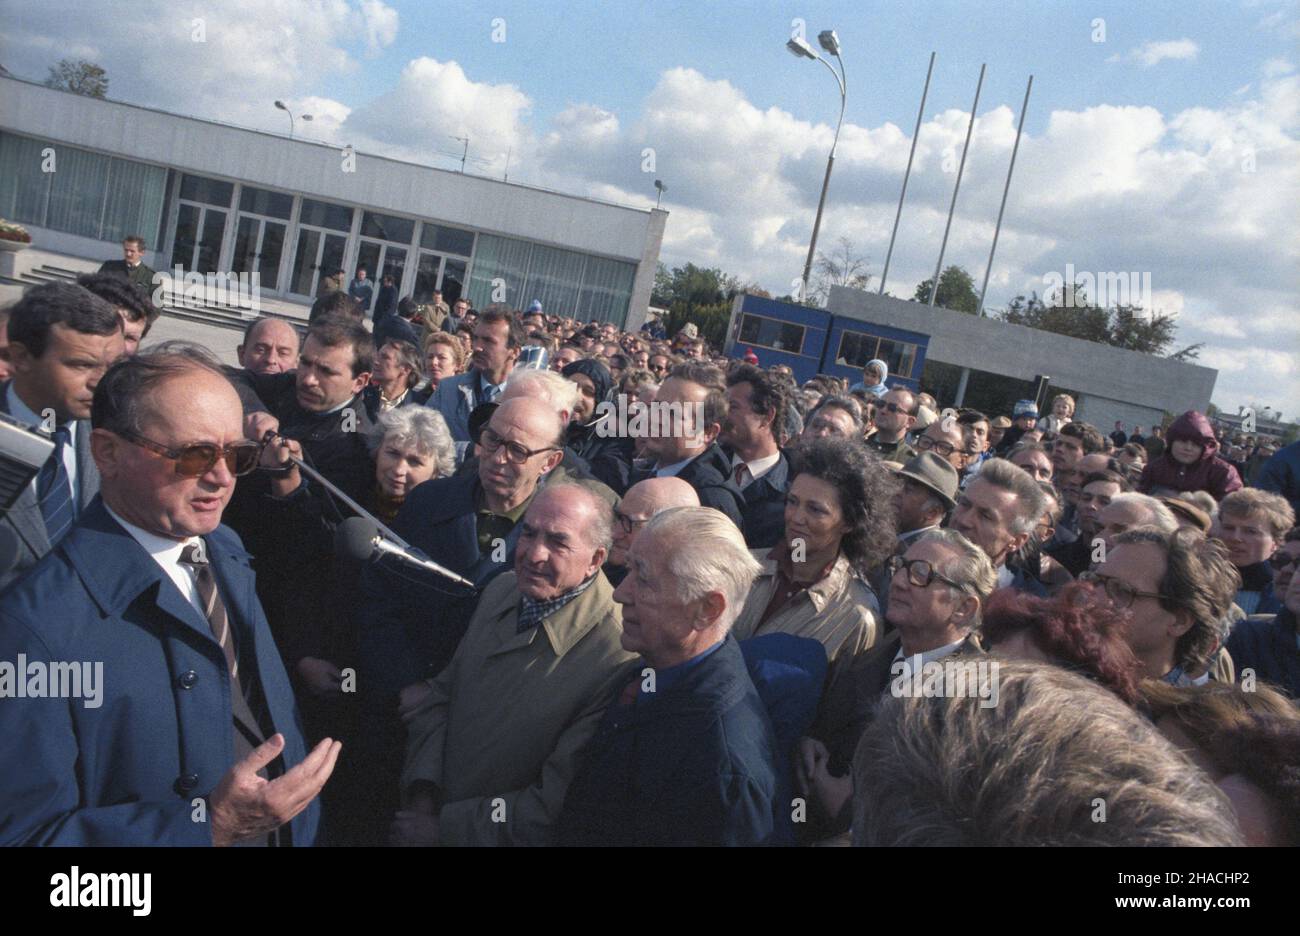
x=359, y=537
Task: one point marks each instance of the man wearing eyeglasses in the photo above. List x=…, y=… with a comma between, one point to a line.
x=946, y=439
x=639, y=505
x=895, y=416
x=190, y=736
x=938, y=589
x=1178, y=588
x=62, y=339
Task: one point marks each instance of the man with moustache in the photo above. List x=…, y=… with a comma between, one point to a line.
x=195, y=739
x=756, y=409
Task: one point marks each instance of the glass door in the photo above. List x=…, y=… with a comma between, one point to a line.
x=259, y=245
x=439, y=272
x=380, y=260
x=319, y=254
x=197, y=244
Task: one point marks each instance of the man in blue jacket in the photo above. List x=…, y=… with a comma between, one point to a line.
x=498, y=339
x=1281, y=475
x=686, y=755
x=147, y=704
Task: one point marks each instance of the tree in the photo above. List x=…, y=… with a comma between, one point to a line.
x=1123, y=326
x=842, y=267
x=956, y=291
x=79, y=77
x=699, y=295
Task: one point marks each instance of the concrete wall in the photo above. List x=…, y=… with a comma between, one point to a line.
x=1115, y=384
x=315, y=169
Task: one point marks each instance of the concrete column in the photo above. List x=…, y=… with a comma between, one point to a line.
x=961, y=387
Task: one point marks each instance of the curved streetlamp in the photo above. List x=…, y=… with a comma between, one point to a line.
x=801, y=49
x=281, y=106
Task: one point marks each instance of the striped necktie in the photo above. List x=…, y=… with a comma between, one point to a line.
x=214, y=609
x=54, y=489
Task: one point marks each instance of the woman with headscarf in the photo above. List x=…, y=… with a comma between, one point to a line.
x=873, y=378
x=1190, y=462
x=592, y=437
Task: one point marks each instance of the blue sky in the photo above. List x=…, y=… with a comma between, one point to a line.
x=1172, y=147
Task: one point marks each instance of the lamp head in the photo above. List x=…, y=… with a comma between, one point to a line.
x=280, y=105
x=800, y=48
x=829, y=41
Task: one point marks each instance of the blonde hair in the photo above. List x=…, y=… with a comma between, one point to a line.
x=1279, y=515
x=451, y=343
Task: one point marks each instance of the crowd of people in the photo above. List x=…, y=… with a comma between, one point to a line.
x=811, y=614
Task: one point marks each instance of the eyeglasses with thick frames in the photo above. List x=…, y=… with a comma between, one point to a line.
x=515, y=453
x=943, y=449
x=920, y=573
x=628, y=523
x=198, y=458
x=1121, y=594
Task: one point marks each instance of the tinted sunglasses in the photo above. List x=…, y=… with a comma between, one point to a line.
x=198, y=458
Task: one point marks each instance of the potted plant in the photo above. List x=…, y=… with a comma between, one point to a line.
x=13, y=236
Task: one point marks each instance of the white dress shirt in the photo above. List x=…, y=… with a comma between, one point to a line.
x=929, y=656
x=167, y=553
x=756, y=468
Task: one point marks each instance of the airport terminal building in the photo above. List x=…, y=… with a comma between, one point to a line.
x=81, y=174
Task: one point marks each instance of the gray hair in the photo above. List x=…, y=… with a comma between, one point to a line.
x=124, y=397
x=1030, y=503
x=558, y=391
x=422, y=429
x=971, y=568
x=599, y=530
x=408, y=356
x=708, y=554
x=846, y=403
x=1158, y=515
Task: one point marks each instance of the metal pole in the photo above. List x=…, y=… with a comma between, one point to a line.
x=956, y=188
x=290, y=113
x=463, y=155
x=506, y=176
x=830, y=164
x=1005, y=189
x=906, y=175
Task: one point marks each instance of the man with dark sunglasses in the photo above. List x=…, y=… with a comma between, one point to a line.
x=187, y=734
x=895, y=416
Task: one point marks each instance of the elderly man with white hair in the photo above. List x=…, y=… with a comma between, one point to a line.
x=1129, y=510
x=686, y=754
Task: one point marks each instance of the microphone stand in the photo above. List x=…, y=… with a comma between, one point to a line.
x=320, y=479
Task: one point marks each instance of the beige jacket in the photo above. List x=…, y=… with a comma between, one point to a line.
x=840, y=611
x=508, y=716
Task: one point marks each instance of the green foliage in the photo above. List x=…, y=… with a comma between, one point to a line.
x=711, y=320
x=1124, y=326
x=699, y=295
x=79, y=77
x=956, y=291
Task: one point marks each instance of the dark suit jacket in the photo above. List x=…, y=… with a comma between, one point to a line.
x=127, y=771
x=608, y=459
x=697, y=765
x=410, y=622
x=24, y=517
x=764, y=511
x=710, y=474
x=1268, y=646
x=393, y=327
x=141, y=276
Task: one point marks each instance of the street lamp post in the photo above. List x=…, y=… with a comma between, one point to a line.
x=800, y=48
x=280, y=105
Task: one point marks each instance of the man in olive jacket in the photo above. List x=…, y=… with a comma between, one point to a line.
x=492, y=745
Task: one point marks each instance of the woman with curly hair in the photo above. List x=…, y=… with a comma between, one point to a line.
x=1074, y=630
x=839, y=523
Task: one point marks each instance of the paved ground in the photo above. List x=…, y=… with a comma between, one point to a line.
x=220, y=341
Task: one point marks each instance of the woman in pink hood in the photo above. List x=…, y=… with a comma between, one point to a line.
x=1190, y=462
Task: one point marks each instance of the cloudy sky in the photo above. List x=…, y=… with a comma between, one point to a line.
x=1161, y=137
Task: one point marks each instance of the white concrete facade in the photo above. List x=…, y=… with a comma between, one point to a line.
x=327, y=173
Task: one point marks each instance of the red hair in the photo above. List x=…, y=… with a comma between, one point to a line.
x=1074, y=629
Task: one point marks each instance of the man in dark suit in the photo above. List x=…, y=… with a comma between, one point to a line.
x=131, y=266
x=756, y=408
x=937, y=592
x=133, y=305
x=691, y=406
x=400, y=326
x=498, y=339
x=687, y=754
x=61, y=341
x=192, y=739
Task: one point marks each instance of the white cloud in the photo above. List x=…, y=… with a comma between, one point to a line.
x=1275, y=67
x=380, y=25
x=1153, y=53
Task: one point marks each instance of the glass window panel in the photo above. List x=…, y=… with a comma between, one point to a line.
x=856, y=349
x=326, y=215
x=264, y=202
x=387, y=227
x=77, y=192
x=606, y=290
x=771, y=333
x=554, y=277
x=208, y=191
x=899, y=355
x=498, y=258
x=24, y=188
x=447, y=239
x=135, y=201
x=303, y=279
